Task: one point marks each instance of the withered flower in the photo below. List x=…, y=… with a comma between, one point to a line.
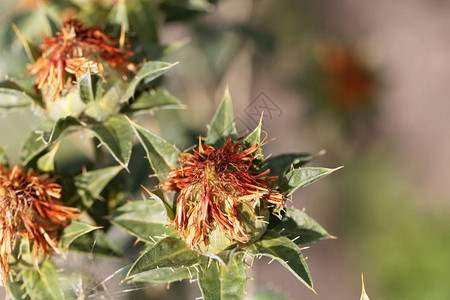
x=218, y=190
x=30, y=207
x=348, y=77
x=75, y=51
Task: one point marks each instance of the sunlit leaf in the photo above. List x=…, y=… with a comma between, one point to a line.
x=43, y=284
x=148, y=72
x=222, y=282
x=161, y=155
x=90, y=184
x=279, y=165
x=301, y=177
x=17, y=291
x=154, y=100
x=160, y=197
x=145, y=219
x=46, y=163
x=167, y=253
x=90, y=88
x=286, y=252
x=95, y=242
x=166, y=275
x=222, y=125
x=44, y=136
x=14, y=99
x=73, y=231
x=116, y=134
x=301, y=228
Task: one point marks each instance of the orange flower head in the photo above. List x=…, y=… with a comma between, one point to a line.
x=219, y=191
x=30, y=207
x=75, y=51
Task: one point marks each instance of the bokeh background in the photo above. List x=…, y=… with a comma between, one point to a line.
x=366, y=80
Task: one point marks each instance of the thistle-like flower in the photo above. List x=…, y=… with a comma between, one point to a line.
x=75, y=51
x=30, y=207
x=219, y=190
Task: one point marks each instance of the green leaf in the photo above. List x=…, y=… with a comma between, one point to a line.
x=90, y=88
x=89, y=185
x=148, y=72
x=154, y=100
x=44, y=136
x=73, y=232
x=223, y=282
x=300, y=228
x=46, y=163
x=166, y=275
x=301, y=177
x=281, y=164
x=43, y=285
x=117, y=136
x=96, y=242
x=160, y=197
x=3, y=158
x=222, y=125
x=145, y=219
x=254, y=138
x=161, y=155
x=286, y=252
x=13, y=99
x=17, y=291
x=167, y=253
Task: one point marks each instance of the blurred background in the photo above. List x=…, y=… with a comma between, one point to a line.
x=365, y=80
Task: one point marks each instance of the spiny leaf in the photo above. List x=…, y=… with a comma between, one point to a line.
x=148, y=72
x=301, y=177
x=117, y=136
x=144, y=219
x=46, y=163
x=222, y=125
x=279, y=165
x=284, y=251
x=73, y=231
x=161, y=155
x=43, y=284
x=166, y=275
x=167, y=253
x=154, y=100
x=17, y=291
x=90, y=88
x=89, y=185
x=222, y=282
x=300, y=228
x=14, y=99
x=160, y=197
x=44, y=136
x=96, y=242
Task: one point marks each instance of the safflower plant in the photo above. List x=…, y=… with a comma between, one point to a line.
x=219, y=205
x=213, y=208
